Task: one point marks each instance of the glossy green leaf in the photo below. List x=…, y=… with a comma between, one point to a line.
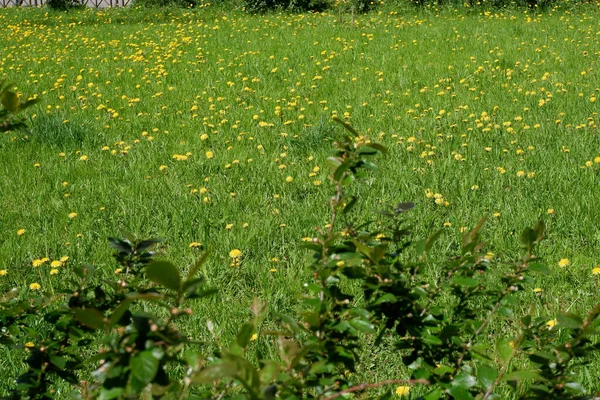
x=346, y=125
x=244, y=335
x=118, y=312
x=363, y=326
x=524, y=375
x=110, y=393
x=386, y=298
x=144, y=367
x=90, y=317
x=486, y=376
x=10, y=100
x=435, y=395
x=165, y=274
x=464, y=281
x=460, y=393
x=539, y=267
x=570, y=320
x=505, y=350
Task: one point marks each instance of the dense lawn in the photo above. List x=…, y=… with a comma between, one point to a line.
x=211, y=127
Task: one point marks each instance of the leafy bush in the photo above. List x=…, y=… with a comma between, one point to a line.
x=261, y=6
x=11, y=106
x=64, y=5
x=120, y=338
x=167, y=3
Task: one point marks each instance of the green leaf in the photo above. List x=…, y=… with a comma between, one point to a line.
x=460, y=393
x=363, y=326
x=58, y=361
x=377, y=147
x=197, y=265
x=112, y=393
x=10, y=100
x=119, y=311
x=371, y=166
x=542, y=357
x=463, y=281
x=346, y=125
x=430, y=339
x=28, y=103
x=244, y=335
x=576, y=386
x=164, y=273
x=524, y=375
x=505, y=350
x=539, y=267
x=528, y=237
x=90, y=317
x=486, y=376
x=386, y=298
x=464, y=380
x=339, y=172
x=144, y=367
x=145, y=296
x=349, y=204
x=435, y=395
x=349, y=179
x=570, y=320
x=334, y=161
x=290, y=323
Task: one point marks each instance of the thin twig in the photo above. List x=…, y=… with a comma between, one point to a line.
x=365, y=386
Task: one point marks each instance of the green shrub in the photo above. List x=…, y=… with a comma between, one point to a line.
x=167, y=3
x=120, y=339
x=64, y=5
x=11, y=107
x=261, y=6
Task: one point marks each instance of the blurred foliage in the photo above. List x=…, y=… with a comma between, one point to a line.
x=120, y=338
x=11, y=107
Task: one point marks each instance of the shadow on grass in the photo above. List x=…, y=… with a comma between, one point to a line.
x=50, y=131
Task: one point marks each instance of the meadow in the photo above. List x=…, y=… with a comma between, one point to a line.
x=210, y=129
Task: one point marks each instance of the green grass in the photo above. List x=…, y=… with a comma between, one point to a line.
x=457, y=96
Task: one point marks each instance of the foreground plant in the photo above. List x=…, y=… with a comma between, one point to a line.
x=372, y=285
x=11, y=107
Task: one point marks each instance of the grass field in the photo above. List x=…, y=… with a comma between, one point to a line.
x=211, y=127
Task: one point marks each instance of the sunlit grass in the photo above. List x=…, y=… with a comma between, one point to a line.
x=210, y=130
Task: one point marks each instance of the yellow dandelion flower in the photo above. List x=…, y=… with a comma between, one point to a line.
x=538, y=290
x=289, y=179
x=72, y=215
x=254, y=337
x=3, y=272
x=209, y=154
x=37, y=262
x=29, y=344
x=83, y=158
x=564, y=262
x=53, y=271
x=20, y=232
x=552, y=323
x=55, y=264
x=35, y=286
x=194, y=245
x=235, y=253
x=402, y=390
x=595, y=271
